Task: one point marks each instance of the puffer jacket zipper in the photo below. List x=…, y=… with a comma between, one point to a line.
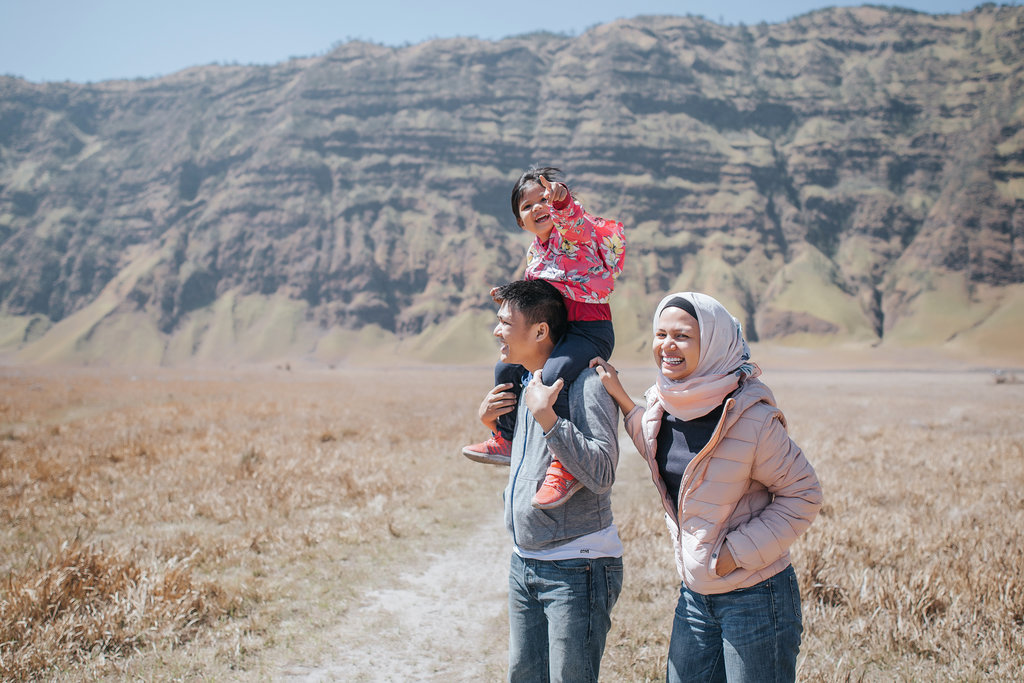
x=704, y=457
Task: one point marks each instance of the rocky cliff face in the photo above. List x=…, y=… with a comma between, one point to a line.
x=853, y=174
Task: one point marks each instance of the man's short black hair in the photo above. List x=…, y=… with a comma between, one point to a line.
x=539, y=302
x=532, y=176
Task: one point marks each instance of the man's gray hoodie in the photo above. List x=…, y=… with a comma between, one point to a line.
x=588, y=447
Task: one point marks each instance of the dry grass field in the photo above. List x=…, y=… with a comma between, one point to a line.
x=320, y=525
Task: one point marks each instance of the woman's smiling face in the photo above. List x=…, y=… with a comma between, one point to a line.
x=676, y=343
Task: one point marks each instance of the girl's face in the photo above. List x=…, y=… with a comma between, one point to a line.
x=535, y=211
x=676, y=343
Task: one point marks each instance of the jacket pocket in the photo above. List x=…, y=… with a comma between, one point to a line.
x=716, y=551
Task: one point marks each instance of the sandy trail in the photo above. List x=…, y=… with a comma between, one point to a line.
x=444, y=618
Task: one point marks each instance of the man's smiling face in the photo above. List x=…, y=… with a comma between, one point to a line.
x=519, y=338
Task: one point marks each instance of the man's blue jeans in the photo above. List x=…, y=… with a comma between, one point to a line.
x=559, y=614
x=749, y=634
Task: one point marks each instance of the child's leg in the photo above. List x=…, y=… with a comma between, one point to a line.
x=506, y=373
x=497, y=450
x=572, y=355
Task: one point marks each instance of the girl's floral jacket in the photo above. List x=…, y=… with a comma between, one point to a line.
x=582, y=257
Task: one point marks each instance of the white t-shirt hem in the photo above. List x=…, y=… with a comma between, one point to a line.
x=603, y=543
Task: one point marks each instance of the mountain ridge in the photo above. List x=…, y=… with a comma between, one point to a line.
x=852, y=176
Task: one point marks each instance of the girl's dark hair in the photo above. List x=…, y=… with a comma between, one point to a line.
x=532, y=175
x=539, y=302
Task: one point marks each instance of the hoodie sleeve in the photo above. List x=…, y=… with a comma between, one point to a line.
x=588, y=446
x=780, y=465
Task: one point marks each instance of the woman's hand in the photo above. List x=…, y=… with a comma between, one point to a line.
x=726, y=562
x=540, y=400
x=609, y=377
x=556, y=192
x=497, y=402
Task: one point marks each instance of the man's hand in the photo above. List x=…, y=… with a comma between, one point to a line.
x=555, y=192
x=498, y=402
x=540, y=400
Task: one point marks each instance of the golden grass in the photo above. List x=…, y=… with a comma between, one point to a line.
x=86, y=601
x=257, y=484
x=212, y=524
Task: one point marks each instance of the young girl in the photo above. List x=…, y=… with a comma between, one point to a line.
x=582, y=256
x=737, y=493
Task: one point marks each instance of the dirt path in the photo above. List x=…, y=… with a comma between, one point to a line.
x=443, y=618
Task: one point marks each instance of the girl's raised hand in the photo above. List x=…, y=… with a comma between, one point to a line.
x=556, y=192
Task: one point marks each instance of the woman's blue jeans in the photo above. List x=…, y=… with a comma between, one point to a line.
x=559, y=614
x=749, y=634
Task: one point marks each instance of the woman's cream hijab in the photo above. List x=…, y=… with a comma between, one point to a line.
x=724, y=360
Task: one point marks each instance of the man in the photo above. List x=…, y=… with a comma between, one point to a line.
x=566, y=568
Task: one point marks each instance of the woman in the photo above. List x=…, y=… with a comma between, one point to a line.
x=736, y=489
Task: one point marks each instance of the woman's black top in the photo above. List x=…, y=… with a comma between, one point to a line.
x=679, y=441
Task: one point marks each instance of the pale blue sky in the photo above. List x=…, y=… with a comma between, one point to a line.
x=94, y=40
